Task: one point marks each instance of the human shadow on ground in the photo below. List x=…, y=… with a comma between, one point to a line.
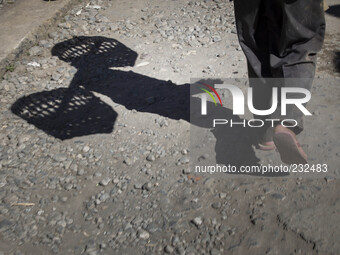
x=75, y=111
x=334, y=10
x=66, y=112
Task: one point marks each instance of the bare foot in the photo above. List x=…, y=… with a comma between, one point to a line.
x=289, y=148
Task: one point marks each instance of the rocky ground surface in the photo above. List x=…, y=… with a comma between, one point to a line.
x=72, y=184
x=6, y=2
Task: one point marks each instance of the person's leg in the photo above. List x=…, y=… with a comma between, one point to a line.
x=253, y=37
x=293, y=58
x=293, y=50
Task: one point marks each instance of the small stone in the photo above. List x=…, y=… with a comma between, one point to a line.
x=329, y=179
x=60, y=157
x=56, y=76
x=97, y=174
x=161, y=121
x=142, y=234
x=53, y=35
x=34, y=64
x=5, y=224
x=186, y=171
x=138, y=186
x=214, y=251
x=86, y=148
x=35, y=51
x=266, y=190
x=44, y=44
x=150, y=157
x=197, y=221
x=216, y=205
x=80, y=172
x=147, y=186
x=184, y=152
x=104, y=197
x=97, y=7
x=169, y=249
x=278, y=196
x=216, y=38
x=128, y=161
x=10, y=199
x=104, y=182
x=183, y=160
x=223, y=195
x=68, y=186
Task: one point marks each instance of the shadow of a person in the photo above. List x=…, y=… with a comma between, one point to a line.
x=66, y=113
x=94, y=56
x=76, y=111
x=334, y=10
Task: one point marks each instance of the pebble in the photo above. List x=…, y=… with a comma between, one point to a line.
x=147, y=186
x=216, y=205
x=60, y=157
x=35, y=51
x=138, y=185
x=223, y=195
x=183, y=160
x=128, y=161
x=105, y=182
x=214, y=251
x=186, y=171
x=278, y=196
x=5, y=224
x=142, y=234
x=80, y=172
x=151, y=157
x=169, y=249
x=86, y=148
x=197, y=221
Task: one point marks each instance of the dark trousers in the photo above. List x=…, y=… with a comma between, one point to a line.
x=280, y=39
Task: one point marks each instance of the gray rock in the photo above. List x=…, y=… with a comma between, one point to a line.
x=60, y=157
x=223, y=195
x=105, y=182
x=183, y=160
x=147, y=186
x=104, y=197
x=169, y=249
x=197, y=221
x=216, y=205
x=128, y=161
x=142, y=234
x=151, y=157
x=138, y=186
x=5, y=224
x=80, y=172
x=278, y=196
x=186, y=171
x=214, y=251
x=161, y=121
x=35, y=51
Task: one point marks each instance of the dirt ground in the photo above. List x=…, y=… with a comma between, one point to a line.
x=95, y=154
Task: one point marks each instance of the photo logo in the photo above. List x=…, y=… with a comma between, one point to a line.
x=283, y=98
x=238, y=100
x=209, y=93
